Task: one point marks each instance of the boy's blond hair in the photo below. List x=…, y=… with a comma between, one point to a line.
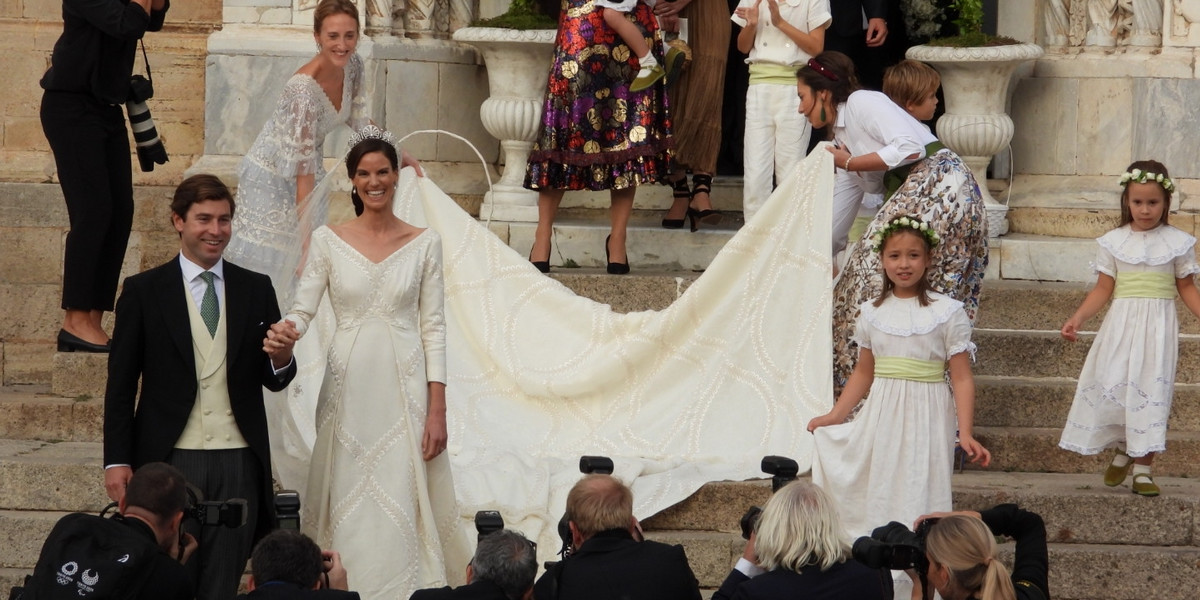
x=910, y=82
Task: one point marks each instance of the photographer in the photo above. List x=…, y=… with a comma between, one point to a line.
x=961, y=550
x=137, y=554
x=798, y=550
x=87, y=83
x=288, y=565
x=503, y=568
x=609, y=561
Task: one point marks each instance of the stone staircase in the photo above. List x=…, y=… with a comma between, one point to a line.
x=1107, y=544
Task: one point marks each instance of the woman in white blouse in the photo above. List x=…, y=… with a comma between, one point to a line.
x=874, y=138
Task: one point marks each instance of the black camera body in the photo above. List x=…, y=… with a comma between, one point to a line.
x=894, y=547
x=287, y=510
x=783, y=471
x=150, y=149
x=488, y=521
x=229, y=513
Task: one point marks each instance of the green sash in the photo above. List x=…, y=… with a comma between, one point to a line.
x=893, y=179
x=772, y=73
x=912, y=369
x=1144, y=285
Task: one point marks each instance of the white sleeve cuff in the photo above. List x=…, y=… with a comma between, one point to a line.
x=281, y=370
x=748, y=568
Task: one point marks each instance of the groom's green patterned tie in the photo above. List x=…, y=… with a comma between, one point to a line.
x=209, y=311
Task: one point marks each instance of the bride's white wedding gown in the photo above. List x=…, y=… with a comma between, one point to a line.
x=371, y=496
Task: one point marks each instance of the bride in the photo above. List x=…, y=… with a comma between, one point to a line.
x=379, y=485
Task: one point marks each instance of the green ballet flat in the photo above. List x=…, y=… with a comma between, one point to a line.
x=1143, y=485
x=1114, y=475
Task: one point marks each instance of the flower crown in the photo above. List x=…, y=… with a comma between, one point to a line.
x=897, y=224
x=1140, y=176
x=371, y=132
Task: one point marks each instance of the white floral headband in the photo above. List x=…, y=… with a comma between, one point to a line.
x=1140, y=176
x=895, y=225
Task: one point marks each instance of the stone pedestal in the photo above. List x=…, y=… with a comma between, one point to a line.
x=976, y=124
x=517, y=63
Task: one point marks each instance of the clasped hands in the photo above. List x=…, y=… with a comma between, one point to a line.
x=281, y=338
x=751, y=13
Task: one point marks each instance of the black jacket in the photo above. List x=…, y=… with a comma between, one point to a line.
x=611, y=565
x=275, y=590
x=479, y=589
x=850, y=579
x=848, y=14
x=95, y=53
x=1031, y=566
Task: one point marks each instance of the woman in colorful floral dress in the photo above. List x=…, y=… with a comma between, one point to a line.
x=595, y=133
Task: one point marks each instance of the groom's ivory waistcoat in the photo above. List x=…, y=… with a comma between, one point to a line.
x=211, y=425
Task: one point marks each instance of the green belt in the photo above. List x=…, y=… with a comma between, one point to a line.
x=772, y=73
x=912, y=369
x=1144, y=285
x=893, y=179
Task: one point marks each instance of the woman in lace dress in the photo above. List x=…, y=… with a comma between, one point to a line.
x=275, y=215
x=379, y=486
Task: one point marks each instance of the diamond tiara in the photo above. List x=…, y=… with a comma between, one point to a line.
x=371, y=132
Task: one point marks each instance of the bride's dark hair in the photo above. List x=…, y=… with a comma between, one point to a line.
x=355, y=156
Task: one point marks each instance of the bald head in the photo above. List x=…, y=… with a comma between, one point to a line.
x=599, y=503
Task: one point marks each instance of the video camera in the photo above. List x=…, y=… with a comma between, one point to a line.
x=783, y=471
x=150, y=149
x=230, y=513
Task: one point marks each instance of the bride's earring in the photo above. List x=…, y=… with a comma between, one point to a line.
x=319, y=47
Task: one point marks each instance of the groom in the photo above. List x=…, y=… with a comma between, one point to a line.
x=203, y=337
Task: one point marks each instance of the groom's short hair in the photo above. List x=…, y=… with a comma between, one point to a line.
x=199, y=188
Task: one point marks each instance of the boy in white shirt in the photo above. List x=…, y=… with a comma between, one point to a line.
x=778, y=37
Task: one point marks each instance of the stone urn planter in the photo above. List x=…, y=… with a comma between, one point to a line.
x=517, y=62
x=975, y=82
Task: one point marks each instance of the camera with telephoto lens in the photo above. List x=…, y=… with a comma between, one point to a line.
x=287, y=509
x=150, y=149
x=895, y=547
x=230, y=513
x=783, y=471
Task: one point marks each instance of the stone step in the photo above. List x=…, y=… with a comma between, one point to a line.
x=1041, y=402
x=33, y=413
x=1030, y=257
x=579, y=241
x=65, y=476
x=1077, y=509
x=1022, y=353
x=1012, y=304
x=23, y=532
x=1035, y=450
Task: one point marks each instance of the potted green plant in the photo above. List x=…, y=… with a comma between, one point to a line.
x=976, y=70
x=517, y=49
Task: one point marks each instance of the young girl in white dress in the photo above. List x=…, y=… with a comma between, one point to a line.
x=893, y=461
x=1124, y=395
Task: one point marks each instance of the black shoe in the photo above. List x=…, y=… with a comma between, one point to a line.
x=615, y=268
x=702, y=184
x=681, y=192
x=68, y=342
x=541, y=265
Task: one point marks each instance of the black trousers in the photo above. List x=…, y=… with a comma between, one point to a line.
x=91, y=151
x=217, y=566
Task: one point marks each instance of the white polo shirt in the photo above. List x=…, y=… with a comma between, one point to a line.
x=773, y=46
x=870, y=122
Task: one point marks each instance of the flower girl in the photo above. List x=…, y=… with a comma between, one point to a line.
x=893, y=461
x=1125, y=389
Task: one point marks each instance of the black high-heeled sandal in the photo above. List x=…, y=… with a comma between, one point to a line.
x=702, y=184
x=615, y=268
x=680, y=192
x=542, y=266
